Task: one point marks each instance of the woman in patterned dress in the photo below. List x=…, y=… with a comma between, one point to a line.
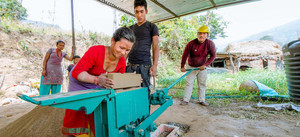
x=52, y=76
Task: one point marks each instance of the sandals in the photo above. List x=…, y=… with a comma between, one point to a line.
x=203, y=103
x=183, y=103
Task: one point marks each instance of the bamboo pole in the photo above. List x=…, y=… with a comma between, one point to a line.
x=2, y=79
x=231, y=62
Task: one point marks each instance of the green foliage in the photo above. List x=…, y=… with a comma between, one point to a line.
x=216, y=25
x=175, y=35
x=127, y=20
x=98, y=38
x=31, y=52
x=12, y=9
x=93, y=37
x=25, y=31
x=6, y=29
x=164, y=67
x=231, y=82
x=23, y=45
x=10, y=25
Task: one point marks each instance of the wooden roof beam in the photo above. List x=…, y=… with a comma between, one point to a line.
x=212, y=3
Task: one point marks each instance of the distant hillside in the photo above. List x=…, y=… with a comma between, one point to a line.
x=40, y=24
x=282, y=34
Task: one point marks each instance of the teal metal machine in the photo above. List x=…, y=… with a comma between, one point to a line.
x=122, y=114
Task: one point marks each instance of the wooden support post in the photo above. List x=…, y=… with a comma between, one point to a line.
x=2, y=79
x=64, y=88
x=73, y=29
x=238, y=64
x=231, y=62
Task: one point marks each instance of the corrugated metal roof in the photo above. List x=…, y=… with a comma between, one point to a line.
x=161, y=10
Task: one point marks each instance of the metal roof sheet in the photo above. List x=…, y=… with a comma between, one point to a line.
x=161, y=10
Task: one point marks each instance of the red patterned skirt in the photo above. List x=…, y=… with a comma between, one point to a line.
x=77, y=123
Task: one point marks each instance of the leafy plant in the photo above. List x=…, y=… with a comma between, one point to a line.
x=216, y=25
x=127, y=20
x=23, y=45
x=93, y=37
x=12, y=9
x=6, y=29
x=23, y=30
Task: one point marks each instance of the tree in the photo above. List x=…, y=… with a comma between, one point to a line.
x=216, y=25
x=12, y=9
x=127, y=20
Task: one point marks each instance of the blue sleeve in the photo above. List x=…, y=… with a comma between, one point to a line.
x=70, y=67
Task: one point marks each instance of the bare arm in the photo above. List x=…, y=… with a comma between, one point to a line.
x=86, y=77
x=72, y=55
x=155, y=52
x=69, y=58
x=44, y=72
x=101, y=80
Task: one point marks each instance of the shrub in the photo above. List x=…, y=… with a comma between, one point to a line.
x=12, y=9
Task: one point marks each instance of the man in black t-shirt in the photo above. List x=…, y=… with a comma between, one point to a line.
x=146, y=33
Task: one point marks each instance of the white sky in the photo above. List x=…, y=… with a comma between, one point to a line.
x=88, y=14
x=245, y=20
x=251, y=18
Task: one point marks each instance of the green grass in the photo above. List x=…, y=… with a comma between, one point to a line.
x=228, y=83
x=231, y=82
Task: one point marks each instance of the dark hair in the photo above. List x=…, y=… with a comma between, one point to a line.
x=76, y=56
x=140, y=3
x=124, y=32
x=60, y=41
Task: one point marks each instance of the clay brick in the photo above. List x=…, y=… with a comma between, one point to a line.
x=125, y=80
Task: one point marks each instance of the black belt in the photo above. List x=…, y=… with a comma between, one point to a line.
x=137, y=65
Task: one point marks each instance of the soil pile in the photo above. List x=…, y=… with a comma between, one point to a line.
x=42, y=121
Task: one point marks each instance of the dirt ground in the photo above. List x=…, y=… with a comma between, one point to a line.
x=234, y=120
x=242, y=119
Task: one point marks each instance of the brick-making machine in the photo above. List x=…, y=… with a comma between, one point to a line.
x=117, y=113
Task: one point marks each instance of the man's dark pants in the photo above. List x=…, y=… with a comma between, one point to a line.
x=144, y=71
